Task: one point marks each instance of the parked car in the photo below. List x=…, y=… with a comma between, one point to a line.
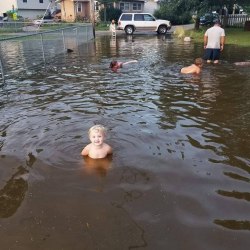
x=42, y=21
x=131, y=22
x=209, y=19
x=4, y=18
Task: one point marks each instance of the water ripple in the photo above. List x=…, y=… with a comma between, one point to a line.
x=192, y=132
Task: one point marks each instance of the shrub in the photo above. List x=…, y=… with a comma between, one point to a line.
x=175, y=19
x=111, y=13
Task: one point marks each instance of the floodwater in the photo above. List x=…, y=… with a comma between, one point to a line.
x=179, y=177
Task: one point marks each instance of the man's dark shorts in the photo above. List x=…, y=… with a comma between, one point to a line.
x=212, y=54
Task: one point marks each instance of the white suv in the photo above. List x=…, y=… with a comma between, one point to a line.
x=131, y=22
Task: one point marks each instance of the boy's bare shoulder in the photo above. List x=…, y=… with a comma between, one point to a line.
x=86, y=149
x=108, y=148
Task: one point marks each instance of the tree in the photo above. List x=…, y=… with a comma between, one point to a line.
x=106, y=4
x=109, y=14
x=180, y=11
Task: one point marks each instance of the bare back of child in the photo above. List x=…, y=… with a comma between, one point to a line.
x=194, y=68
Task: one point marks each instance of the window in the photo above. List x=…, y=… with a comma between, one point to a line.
x=137, y=6
x=40, y=1
x=126, y=17
x=139, y=17
x=96, y=6
x=148, y=18
x=124, y=6
x=24, y=1
x=79, y=7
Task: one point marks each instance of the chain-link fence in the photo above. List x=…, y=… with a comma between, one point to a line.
x=33, y=49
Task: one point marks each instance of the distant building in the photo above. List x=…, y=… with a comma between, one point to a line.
x=72, y=10
x=81, y=10
x=87, y=10
x=130, y=5
x=151, y=6
x=27, y=8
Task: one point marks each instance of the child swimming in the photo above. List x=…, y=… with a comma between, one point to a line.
x=194, y=68
x=115, y=65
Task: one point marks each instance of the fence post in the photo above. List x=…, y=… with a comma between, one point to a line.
x=247, y=26
x=44, y=59
x=87, y=33
x=77, y=36
x=63, y=41
x=2, y=71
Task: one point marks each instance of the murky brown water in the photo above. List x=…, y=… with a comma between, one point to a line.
x=180, y=174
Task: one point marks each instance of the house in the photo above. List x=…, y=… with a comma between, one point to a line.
x=81, y=10
x=27, y=8
x=130, y=5
x=147, y=6
x=151, y=6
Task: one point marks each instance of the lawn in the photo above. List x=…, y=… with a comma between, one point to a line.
x=235, y=36
x=102, y=26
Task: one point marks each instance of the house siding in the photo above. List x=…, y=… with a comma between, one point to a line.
x=31, y=9
x=70, y=13
x=33, y=4
x=151, y=6
x=129, y=4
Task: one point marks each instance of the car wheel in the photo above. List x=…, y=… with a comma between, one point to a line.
x=162, y=29
x=129, y=30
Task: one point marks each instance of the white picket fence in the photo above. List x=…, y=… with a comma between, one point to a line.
x=237, y=20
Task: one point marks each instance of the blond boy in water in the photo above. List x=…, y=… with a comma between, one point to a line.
x=97, y=149
x=194, y=68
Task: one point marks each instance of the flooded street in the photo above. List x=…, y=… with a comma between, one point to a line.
x=179, y=177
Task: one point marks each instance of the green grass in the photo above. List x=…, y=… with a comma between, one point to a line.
x=236, y=36
x=102, y=26
x=10, y=30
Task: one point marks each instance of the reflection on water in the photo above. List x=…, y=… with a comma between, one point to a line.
x=97, y=166
x=235, y=194
x=181, y=160
x=13, y=193
x=237, y=176
x=233, y=224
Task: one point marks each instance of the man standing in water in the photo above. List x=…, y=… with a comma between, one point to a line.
x=214, y=40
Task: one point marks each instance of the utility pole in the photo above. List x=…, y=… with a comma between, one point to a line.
x=44, y=15
x=93, y=16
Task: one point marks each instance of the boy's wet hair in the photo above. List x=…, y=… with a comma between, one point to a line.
x=198, y=61
x=99, y=128
x=113, y=64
